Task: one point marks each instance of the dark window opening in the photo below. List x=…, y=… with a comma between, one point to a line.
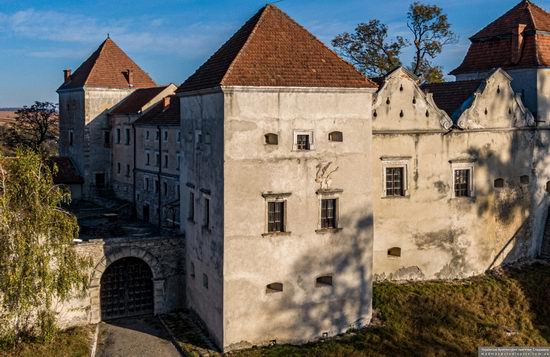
x=118, y=167
x=191, y=212
x=128, y=170
x=394, y=252
x=276, y=217
x=118, y=136
x=336, y=136
x=106, y=139
x=462, y=183
x=205, y=281
x=192, y=271
x=328, y=213
x=165, y=188
x=324, y=281
x=302, y=142
x=524, y=180
x=157, y=186
x=127, y=136
x=499, y=183
x=206, y=212
x=70, y=138
x=148, y=159
x=274, y=288
x=271, y=139
x=166, y=161
x=395, y=185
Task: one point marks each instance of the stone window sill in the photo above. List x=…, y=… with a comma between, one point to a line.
x=328, y=230
x=396, y=197
x=276, y=234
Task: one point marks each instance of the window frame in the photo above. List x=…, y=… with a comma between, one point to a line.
x=311, y=139
x=118, y=135
x=329, y=194
x=332, y=138
x=279, y=198
x=395, y=163
x=459, y=166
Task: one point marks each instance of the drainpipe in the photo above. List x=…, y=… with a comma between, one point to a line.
x=159, y=174
x=134, y=210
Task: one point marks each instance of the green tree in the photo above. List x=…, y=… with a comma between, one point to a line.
x=34, y=127
x=38, y=261
x=369, y=49
x=431, y=32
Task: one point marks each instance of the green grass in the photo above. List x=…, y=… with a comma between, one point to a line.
x=74, y=342
x=508, y=308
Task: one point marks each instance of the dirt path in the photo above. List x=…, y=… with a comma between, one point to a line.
x=141, y=336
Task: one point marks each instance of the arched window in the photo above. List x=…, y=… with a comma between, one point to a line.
x=499, y=183
x=394, y=252
x=324, y=281
x=274, y=288
x=524, y=180
x=336, y=136
x=271, y=139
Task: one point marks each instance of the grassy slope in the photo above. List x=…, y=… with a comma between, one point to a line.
x=74, y=342
x=509, y=308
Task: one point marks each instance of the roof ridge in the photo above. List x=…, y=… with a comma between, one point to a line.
x=260, y=19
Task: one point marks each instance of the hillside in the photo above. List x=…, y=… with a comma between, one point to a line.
x=505, y=308
x=6, y=116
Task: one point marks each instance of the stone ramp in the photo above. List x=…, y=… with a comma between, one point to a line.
x=186, y=332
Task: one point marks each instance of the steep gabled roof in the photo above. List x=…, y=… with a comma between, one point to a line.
x=271, y=49
x=493, y=46
x=134, y=103
x=162, y=114
x=107, y=68
x=450, y=96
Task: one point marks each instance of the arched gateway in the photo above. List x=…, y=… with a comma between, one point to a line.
x=126, y=289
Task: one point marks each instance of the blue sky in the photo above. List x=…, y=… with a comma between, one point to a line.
x=171, y=38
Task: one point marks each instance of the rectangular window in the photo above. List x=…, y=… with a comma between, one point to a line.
x=165, y=135
x=147, y=184
x=165, y=160
x=462, y=183
x=395, y=183
x=147, y=135
x=328, y=213
x=165, y=188
x=178, y=162
x=276, y=216
x=70, y=138
x=118, y=136
x=191, y=211
x=118, y=167
x=303, y=140
x=128, y=170
x=148, y=161
x=127, y=136
x=206, y=213
x=179, y=136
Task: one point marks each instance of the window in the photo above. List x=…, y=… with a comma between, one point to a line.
x=524, y=180
x=271, y=139
x=206, y=222
x=198, y=138
x=157, y=159
x=276, y=216
x=274, y=288
x=395, y=181
x=323, y=281
x=118, y=135
x=178, y=161
x=118, y=167
x=192, y=270
x=205, y=281
x=127, y=136
x=166, y=161
x=70, y=138
x=328, y=214
x=147, y=184
x=178, y=136
x=157, y=186
x=106, y=139
x=191, y=211
x=462, y=183
x=147, y=135
x=336, y=136
x=394, y=252
x=303, y=140
x=148, y=161
x=499, y=183
x=127, y=170
x=165, y=135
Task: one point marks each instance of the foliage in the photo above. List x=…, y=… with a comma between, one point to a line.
x=369, y=50
x=35, y=127
x=506, y=308
x=39, y=265
x=431, y=32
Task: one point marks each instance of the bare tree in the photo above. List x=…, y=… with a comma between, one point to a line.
x=35, y=127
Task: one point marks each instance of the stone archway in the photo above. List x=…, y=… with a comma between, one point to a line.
x=126, y=252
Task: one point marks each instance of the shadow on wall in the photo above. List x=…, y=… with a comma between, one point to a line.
x=331, y=291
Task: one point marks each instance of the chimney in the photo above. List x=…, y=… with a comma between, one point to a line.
x=130, y=77
x=67, y=74
x=166, y=102
x=517, y=43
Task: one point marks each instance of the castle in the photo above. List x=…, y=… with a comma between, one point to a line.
x=295, y=181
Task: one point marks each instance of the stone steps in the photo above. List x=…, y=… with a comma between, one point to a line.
x=188, y=335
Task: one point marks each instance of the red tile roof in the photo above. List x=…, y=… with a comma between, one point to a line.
x=160, y=114
x=107, y=68
x=271, y=49
x=450, y=96
x=67, y=173
x=134, y=103
x=492, y=47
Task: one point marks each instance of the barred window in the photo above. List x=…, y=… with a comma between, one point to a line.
x=328, y=213
x=394, y=181
x=302, y=142
x=462, y=183
x=276, y=216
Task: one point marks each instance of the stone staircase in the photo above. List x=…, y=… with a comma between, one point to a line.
x=545, y=247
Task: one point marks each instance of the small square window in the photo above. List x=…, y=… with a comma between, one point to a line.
x=303, y=140
x=276, y=216
x=328, y=213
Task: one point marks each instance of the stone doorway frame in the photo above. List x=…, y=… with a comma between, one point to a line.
x=126, y=252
